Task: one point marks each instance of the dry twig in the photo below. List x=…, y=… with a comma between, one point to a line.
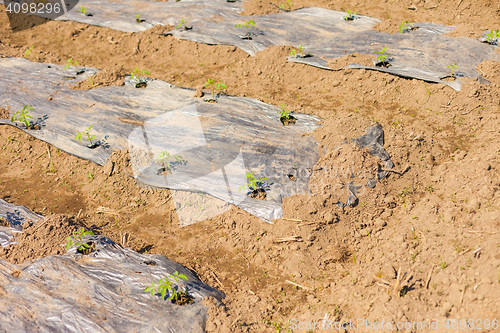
x=399, y=285
x=297, y=285
x=429, y=276
x=288, y=239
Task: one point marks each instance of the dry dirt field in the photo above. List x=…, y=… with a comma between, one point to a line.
x=423, y=246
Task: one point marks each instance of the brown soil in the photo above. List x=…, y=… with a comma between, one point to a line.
x=259, y=194
x=48, y=237
x=288, y=121
x=439, y=220
x=4, y=114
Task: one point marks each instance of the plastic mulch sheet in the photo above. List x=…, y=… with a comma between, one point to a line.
x=100, y=292
x=219, y=142
x=16, y=216
x=422, y=53
x=373, y=141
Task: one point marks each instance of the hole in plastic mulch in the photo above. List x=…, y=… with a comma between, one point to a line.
x=88, y=250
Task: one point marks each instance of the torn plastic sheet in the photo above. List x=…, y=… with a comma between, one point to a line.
x=100, y=292
x=373, y=141
x=220, y=142
x=16, y=216
x=422, y=53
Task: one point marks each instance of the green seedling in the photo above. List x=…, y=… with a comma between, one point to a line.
x=165, y=285
x=293, y=52
x=164, y=157
x=284, y=113
x=453, y=67
x=23, y=115
x=382, y=55
x=28, y=52
x=138, y=18
x=254, y=183
x=215, y=86
x=405, y=26
x=86, y=134
x=137, y=77
x=349, y=16
x=182, y=24
x=70, y=62
x=288, y=3
x=248, y=24
x=83, y=10
x=492, y=35
x=77, y=240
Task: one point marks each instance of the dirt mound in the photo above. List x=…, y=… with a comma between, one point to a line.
x=40, y=240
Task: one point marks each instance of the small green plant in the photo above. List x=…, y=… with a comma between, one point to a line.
x=293, y=52
x=247, y=24
x=382, y=55
x=165, y=285
x=254, y=183
x=284, y=113
x=405, y=26
x=182, y=24
x=164, y=157
x=453, y=67
x=23, y=115
x=137, y=77
x=492, y=35
x=349, y=16
x=86, y=134
x=28, y=52
x=77, y=240
x=70, y=62
x=288, y=4
x=83, y=10
x=215, y=86
x=138, y=18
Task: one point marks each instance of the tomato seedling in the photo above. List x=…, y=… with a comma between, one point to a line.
x=453, y=67
x=88, y=137
x=382, y=56
x=248, y=25
x=293, y=52
x=182, y=25
x=285, y=117
x=137, y=78
x=405, y=26
x=28, y=52
x=70, y=62
x=300, y=54
x=165, y=285
x=23, y=115
x=164, y=158
x=138, y=18
x=288, y=4
x=492, y=36
x=349, y=16
x=83, y=10
x=254, y=183
x=215, y=86
x=284, y=113
x=77, y=240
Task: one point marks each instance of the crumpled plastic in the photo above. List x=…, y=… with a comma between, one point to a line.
x=373, y=141
x=99, y=292
x=16, y=216
x=422, y=52
x=219, y=142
